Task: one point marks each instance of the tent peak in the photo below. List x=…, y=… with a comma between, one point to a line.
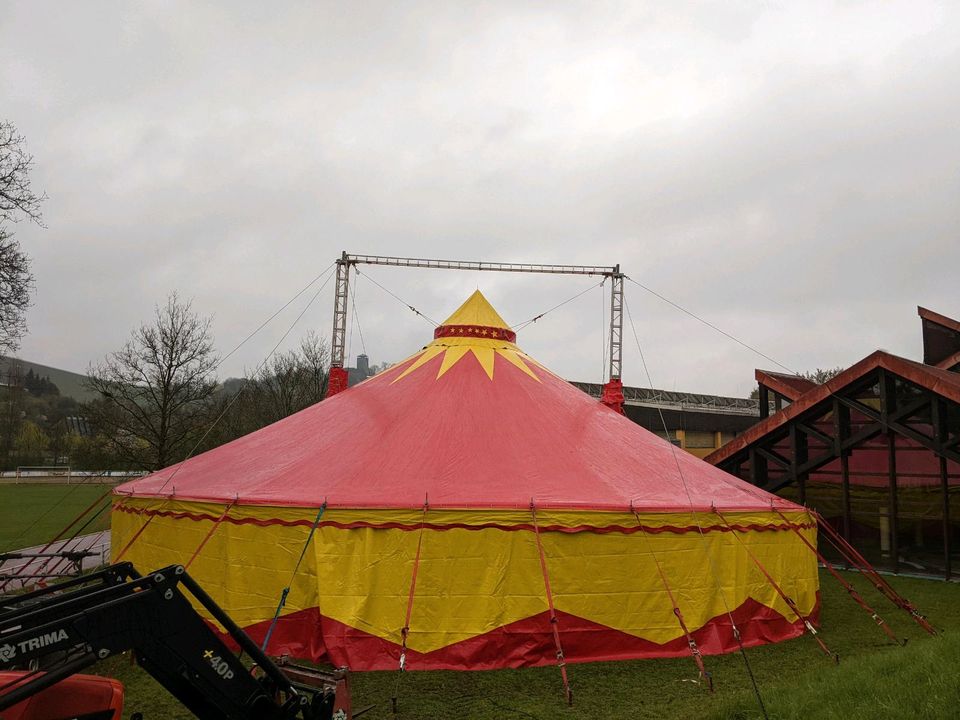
x=476, y=310
x=476, y=318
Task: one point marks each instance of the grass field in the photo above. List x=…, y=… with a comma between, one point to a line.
x=33, y=514
x=874, y=679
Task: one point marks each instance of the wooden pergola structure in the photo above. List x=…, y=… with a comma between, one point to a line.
x=876, y=450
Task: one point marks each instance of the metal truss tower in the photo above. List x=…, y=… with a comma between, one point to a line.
x=613, y=393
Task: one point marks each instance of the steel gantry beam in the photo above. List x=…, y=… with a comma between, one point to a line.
x=345, y=262
x=340, y=297
x=616, y=322
x=482, y=266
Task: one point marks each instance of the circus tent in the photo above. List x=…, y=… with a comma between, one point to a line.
x=469, y=509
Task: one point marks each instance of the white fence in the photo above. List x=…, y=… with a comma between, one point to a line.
x=66, y=476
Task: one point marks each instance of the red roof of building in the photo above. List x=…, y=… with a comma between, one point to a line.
x=467, y=422
x=941, y=339
x=790, y=386
x=934, y=379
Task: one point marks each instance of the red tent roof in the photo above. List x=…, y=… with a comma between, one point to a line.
x=468, y=422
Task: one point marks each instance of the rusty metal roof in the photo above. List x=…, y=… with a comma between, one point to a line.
x=939, y=381
x=941, y=338
x=790, y=386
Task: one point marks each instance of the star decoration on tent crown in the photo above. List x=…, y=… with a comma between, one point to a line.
x=476, y=329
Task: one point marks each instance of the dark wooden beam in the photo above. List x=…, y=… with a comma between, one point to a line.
x=888, y=398
x=798, y=451
x=841, y=426
x=922, y=439
x=947, y=530
x=893, y=513
x=941, y=432
x=900, y=428
x=774, y=456
x=865, y=433
x=888, y=406
x=817, y=463
x=860, y=408
x=911, y=407
x=813, y=432
x=764, y=401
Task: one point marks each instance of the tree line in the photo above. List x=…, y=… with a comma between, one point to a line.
x=157, y=399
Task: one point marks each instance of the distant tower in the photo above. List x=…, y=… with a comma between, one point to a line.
x=363, y=365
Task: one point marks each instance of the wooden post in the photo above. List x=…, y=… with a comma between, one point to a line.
x=894, y=510
x=841, y=427
x=940, y=432
x=798, y=452
x=945, y=490
x=888, y=405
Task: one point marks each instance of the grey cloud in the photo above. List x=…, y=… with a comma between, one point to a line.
x=790, y=174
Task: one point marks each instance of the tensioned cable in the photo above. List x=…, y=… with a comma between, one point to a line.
x=280, y=310
x=860, y=563
x=72, y=488
x=523, y=324
x=210, y=532
x=711, y=325
x=696, y=520
x=405, y=631
x=218, y=364
x=398, y=298
x=691, y=643
x=293, y=576
x=554, y=622
x=851, y=591
x=245, y=385
x=779, y=590
x=603, y=335
x=78, y=536
x=142, y=529
x=60, y=534
x=353, y=302
x=353, y=317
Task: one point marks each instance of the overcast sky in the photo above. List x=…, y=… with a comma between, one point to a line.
x=789, y=171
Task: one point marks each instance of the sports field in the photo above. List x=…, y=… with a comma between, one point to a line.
x=33, y=514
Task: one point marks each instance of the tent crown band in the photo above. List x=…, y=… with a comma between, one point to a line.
x=476, y=331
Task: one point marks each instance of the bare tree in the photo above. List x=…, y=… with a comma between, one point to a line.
x=154, y=391
x=314, y=367
x=278, y=387
x=290, y=381
x=287, y=383
x=17, y=201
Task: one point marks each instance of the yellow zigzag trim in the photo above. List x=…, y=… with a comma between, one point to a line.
x=484, y=355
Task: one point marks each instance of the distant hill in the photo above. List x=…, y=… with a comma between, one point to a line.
x=69, y=383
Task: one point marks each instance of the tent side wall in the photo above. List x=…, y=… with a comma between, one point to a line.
x=479, y=600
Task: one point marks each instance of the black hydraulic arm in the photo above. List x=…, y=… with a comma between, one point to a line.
x=70, y=626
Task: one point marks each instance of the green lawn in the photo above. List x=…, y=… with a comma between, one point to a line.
x=874, y=679
x=33, y=514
